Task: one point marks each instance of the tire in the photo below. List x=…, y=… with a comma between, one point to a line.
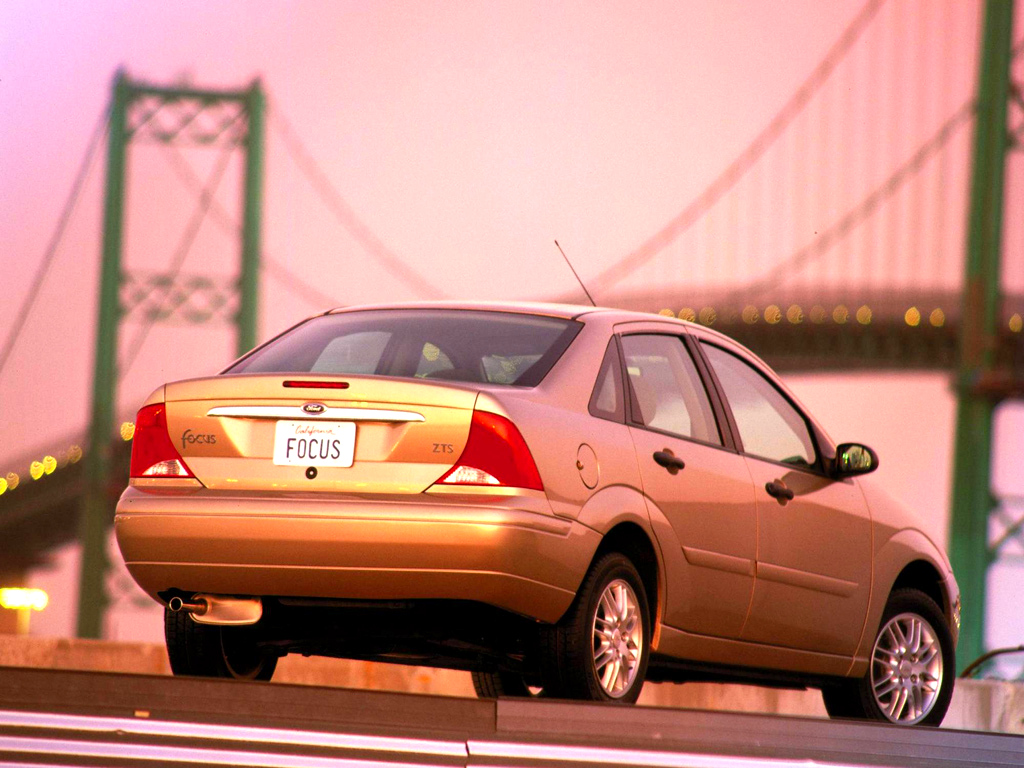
x=600, y=649
x=911, y=670
x=203, y=650
x=496, y=685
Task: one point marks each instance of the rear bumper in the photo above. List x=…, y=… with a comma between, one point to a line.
x=504, y=551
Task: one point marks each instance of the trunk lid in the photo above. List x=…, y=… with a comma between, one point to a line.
x=233, y=432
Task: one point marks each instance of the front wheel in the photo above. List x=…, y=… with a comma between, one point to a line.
x=601, y=647
x=205, y=650
x=911, y=671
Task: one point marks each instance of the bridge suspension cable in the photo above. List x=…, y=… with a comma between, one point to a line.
x=288, y=279
x=829, y=237
x=746, y=159
x=84, y=168
x=344, y=212
x=220, y=216
x=181, y=252
x=334, y=201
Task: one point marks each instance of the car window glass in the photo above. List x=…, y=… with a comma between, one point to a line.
x=432, y=360
x=666, y=388
x=769, y=425
x=505, y=369
x=354, y=353
x=606, y=400
x=495, y=347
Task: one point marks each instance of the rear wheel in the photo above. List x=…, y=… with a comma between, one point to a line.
x=910, y=674
x=494, y=685
x=601, y=647
x=205, y=650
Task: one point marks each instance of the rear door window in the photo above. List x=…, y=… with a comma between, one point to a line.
x=606, y=400
x=666, y=389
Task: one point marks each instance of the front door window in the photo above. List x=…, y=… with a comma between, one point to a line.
x=770, y=427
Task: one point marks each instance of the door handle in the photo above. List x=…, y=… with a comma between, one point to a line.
x=669, y=461
x=779, y=490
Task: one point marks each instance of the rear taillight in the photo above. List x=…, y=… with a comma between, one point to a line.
x=153, y=453
x=495, y=454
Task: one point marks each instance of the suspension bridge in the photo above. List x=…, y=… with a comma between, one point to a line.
x=860, y=229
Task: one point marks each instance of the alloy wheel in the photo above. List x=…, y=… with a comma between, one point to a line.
x=906, y=669
x=617, y=638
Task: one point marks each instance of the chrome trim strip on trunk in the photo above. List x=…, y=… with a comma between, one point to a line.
x=328, y=414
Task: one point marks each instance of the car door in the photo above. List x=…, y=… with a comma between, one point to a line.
x=814, y=533
x=692, y=477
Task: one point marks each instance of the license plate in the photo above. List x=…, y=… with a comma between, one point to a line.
x=314, y=443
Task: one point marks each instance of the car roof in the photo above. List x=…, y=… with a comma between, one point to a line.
x=567, y=311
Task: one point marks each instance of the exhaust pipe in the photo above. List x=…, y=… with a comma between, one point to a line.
x=197, y=608
x=215, y=609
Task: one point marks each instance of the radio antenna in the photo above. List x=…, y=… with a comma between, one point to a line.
x=574, y=273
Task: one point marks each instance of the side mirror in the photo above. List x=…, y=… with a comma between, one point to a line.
x=854, y=459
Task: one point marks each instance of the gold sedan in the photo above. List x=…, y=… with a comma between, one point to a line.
x=565, y=501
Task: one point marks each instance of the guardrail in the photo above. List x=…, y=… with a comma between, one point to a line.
x=85, y=718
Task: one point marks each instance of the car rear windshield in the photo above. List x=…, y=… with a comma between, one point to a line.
x=457, y=345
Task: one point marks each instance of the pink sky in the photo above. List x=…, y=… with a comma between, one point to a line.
x=468, y=136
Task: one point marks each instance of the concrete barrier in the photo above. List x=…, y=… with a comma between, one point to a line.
x=986, y=705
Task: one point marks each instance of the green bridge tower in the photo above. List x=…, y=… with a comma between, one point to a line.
x=983, y=379
x=177, y=117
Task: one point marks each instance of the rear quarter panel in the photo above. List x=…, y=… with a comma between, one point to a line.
x=555, y=422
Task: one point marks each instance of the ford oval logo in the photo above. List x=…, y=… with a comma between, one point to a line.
x=314, y=408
